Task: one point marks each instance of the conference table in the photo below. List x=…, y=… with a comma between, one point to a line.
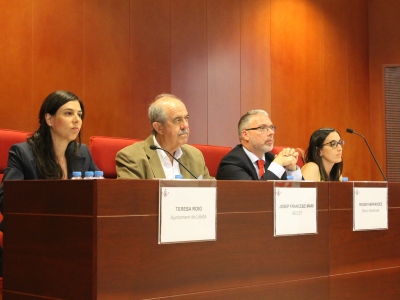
x=98, y=239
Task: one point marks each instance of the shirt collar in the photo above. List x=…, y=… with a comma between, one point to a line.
x=254, y=158
x=163, y=155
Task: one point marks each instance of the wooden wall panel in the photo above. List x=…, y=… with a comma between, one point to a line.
x=57, y=47
x=359, y=164
x=150, y=59
x=16, y=65
x=312, y=48
x=106, y=71
x=304, y=61
x=336, y=61
x=384, y=45
x=255, y=55
x=346, y=80
x=189, y=63
x=223, y=38
x=297, y=70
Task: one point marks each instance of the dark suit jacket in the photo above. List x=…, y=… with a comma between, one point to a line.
x=22, y=165
x=236, y=165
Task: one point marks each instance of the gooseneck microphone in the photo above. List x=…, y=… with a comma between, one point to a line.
x=154, y=147
x=349, y=130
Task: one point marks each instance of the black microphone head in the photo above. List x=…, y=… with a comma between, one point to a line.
x=153, y=147
x=349, y=130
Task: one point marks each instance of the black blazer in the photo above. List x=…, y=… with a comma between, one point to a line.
x=22, y=165
x=236, y=165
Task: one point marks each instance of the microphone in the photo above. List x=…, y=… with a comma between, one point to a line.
x=154, y=147
x=349, y=130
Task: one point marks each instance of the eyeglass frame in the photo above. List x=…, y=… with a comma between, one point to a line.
x=262, y=128
x=339, y=142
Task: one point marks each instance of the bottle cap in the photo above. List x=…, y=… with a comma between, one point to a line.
x=178, y=176
x=289, y=177
x=76, y=174
x=345, y=179
x=89, y=174
x=98, y=173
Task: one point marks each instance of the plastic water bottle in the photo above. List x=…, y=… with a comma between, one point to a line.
x=98, y=175
x=345, y=179
x=178, y=176
x=89, y=175
x=289, y=177
x=76, y=175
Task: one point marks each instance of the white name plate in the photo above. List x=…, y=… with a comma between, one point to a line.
x=295, y=211
x=370, y=208
x=187, y=214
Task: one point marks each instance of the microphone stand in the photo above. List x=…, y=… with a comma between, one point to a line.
x=349, y=130
x=154, y=147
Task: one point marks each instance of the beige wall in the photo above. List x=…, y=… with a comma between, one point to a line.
x=306, y=62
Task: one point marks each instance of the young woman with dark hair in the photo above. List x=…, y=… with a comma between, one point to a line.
x=324, y=156
x=54, y=151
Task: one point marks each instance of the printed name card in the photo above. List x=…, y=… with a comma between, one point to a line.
x=370, y=208
x=295, y=210
x=187, y=214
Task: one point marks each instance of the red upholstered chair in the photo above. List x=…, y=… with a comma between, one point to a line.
x=104, y=149
x=212, y=156
x=8, y=138
x=300, y=162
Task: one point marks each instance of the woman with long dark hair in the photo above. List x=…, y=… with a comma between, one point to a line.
x=324, y=156
x=54, y=151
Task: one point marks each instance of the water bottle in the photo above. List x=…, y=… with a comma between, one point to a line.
x=76, y=175
x=289, y=177
x=178, y=176
x=88, y=175
x=98, y=175
x=345, y=179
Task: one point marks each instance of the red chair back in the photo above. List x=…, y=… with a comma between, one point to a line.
x=104, y=149
x=301, y=159
x=8, y=138
x=212, y=156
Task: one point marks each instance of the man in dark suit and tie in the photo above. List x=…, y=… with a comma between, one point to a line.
x=251, y=159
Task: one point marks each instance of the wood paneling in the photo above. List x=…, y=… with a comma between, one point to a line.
x=223, y=38
x=16, y=65
x=76, y=257
x=255, y=55
x=384, y=43
x=357, y=110
x=150, y=60
x=246, y=255
x=297, y=69
x=106, y=71
x=305, y=62
x=189, y=70
x=316, y=79
x=57, y=47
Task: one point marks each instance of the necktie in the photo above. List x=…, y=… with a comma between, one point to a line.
x=260, y=164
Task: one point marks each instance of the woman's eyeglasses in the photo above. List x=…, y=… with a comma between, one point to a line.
x=334, y=143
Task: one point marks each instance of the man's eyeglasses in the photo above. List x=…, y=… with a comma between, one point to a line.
x=334, y=143
x=263, y=128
